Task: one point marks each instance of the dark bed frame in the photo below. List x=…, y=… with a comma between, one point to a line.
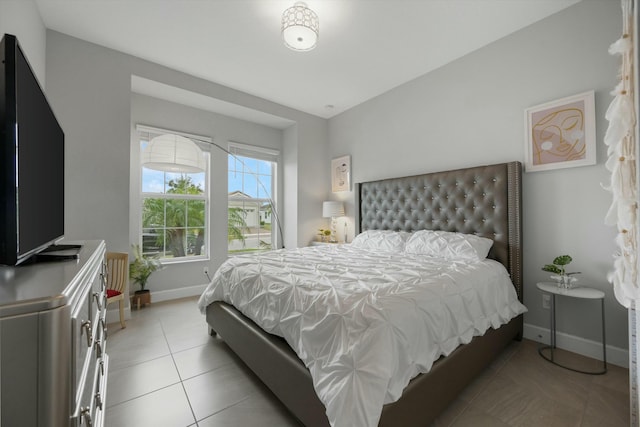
x=484, y=200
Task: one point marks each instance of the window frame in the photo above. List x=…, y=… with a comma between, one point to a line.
x=237, y=149
x=203, y=142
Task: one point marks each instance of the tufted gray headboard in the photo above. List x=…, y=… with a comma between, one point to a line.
x=483, y=200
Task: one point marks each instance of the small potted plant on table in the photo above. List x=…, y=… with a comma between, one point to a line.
x=564, y=279
x=324, y=235
x=139, y=271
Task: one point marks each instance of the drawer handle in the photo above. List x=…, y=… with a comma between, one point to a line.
x=104, y=327
x=102, y=367
x=86, y=326
x=98, y=400
x=86, y=414
x=103, y=281
x=98, y=349
x=96, y=295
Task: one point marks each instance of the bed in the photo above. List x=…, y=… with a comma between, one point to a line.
x=483, y=201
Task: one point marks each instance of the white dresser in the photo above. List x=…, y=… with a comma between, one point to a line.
x=53, y=361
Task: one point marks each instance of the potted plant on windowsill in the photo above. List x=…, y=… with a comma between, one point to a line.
x=139, y=271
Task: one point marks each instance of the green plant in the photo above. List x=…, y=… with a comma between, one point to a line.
x=236, y=224
x=142, y=267
x=558, y=265
x=177, y=217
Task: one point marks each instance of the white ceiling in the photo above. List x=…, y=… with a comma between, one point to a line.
x=366, y=47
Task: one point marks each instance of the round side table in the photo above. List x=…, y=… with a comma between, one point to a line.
x=577, y=292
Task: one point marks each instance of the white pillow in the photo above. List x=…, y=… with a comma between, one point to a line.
x=382, y=240
x=449, y=245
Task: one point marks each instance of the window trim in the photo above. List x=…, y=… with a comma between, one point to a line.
x=265, y=154
x=151, y=129
x=255, y=152
x=140, y=129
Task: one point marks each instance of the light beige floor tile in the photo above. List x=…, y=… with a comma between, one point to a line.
x=166, y=407
x=204, y=358
x=450, y=414
x=255, y=411
x=473, y=417
x=218, y=389
x=141, y=325
x=189, y=337
x=138, y=333
x=184, y=307
x=132, y=352
x=546, y=380
x=616, y=378
x=180, y=323
x=137, y=380
x=518, y=389
x=607, y=407
x=517, y=404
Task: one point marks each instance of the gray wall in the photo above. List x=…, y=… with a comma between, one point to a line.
x=90, y=87
x=22, y=19
x=222, y=129
x=471, y=112
x=466, y=113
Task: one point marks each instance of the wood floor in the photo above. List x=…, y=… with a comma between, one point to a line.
x=165, y=370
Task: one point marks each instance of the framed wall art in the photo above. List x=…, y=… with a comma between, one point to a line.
x=341, y=174
x=561, y=133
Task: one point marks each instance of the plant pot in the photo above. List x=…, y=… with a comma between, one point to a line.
x=564, y=281
x=141, y=297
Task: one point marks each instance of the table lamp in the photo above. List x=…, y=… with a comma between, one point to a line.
x=332, y=210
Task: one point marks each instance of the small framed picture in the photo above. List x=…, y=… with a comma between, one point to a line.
x=561, y=133
x=341, y=174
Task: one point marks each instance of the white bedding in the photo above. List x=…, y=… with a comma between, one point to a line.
x=365, y=322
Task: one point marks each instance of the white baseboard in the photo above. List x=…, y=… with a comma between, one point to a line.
x=615, y=355
x=171, y=294
x=113, y=314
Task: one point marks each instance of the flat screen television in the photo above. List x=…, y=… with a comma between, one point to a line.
x=31, y=161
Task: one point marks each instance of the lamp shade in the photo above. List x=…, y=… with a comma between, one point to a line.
x=173, y=153
x=332, y=209
x=300, y=27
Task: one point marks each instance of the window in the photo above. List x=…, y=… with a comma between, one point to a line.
x=174, y=210
x=253, y=219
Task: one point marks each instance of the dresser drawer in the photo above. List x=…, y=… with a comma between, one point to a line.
x=92, y=403
x=53, y=360
x=89, y=342
x=100, y=392
x=82, y=328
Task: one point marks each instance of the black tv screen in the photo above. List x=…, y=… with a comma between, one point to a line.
x=31, y=161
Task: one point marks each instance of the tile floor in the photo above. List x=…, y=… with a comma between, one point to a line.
x=165, y=370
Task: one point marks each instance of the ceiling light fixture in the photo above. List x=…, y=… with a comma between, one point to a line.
x=173, y=153
x=300, y=27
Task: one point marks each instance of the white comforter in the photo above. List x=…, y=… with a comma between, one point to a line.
x=365, y=323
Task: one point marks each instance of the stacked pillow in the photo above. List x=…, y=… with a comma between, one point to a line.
x=433, y=243
x=383, y=240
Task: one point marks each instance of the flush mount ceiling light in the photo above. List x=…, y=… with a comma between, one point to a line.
x=173, y=153
x=300, y=27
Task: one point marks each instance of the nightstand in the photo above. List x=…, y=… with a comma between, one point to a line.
x=317, y=243
x=579, y=292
